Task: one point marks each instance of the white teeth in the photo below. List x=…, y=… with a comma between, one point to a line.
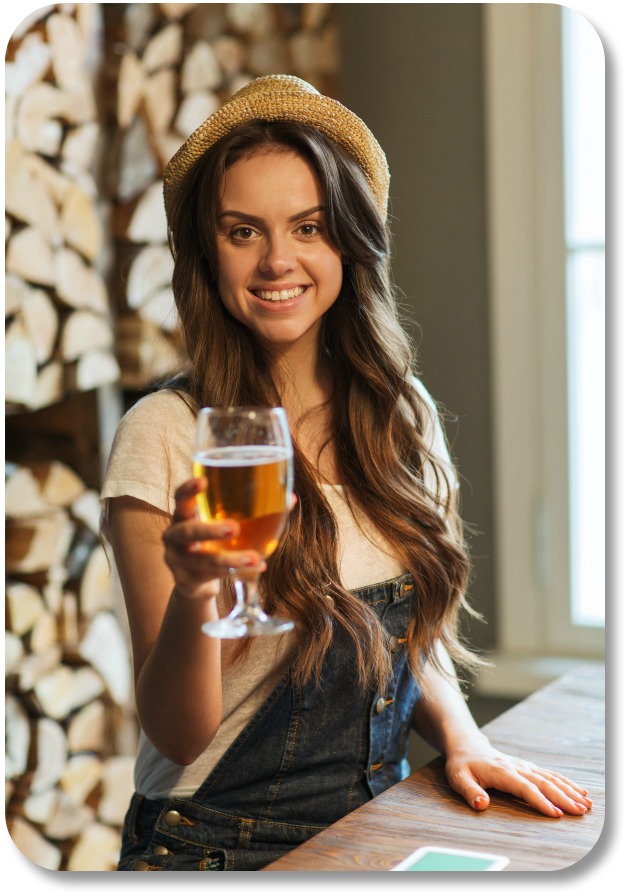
x=279, y=295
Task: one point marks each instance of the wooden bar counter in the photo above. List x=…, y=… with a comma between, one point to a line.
x=560, y=727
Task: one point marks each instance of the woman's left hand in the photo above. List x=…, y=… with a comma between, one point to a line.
x=472, y=770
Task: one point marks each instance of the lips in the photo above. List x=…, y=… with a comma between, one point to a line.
x=279, y=295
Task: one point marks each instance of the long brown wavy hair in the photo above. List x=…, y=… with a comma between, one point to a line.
x=379, y=421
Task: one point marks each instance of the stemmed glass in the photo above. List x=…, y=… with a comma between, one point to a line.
x=246, y=456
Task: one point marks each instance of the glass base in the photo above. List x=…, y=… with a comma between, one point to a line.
x=246, y=623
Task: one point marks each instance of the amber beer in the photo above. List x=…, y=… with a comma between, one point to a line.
x=247, y=484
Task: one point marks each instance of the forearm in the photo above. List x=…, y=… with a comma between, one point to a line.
x=442, y=716
x=179, y=688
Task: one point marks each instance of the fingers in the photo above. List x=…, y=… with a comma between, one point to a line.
x=550, y=793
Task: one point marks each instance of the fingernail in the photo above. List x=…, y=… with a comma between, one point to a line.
x=558, y=811
x=478, y=802
x=229, y=529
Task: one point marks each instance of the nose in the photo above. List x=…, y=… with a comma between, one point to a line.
x=278, y=256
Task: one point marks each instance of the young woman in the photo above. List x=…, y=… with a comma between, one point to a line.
x=276, y=209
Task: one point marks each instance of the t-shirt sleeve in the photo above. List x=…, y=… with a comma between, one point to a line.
x=151, y=454
x=434, y=438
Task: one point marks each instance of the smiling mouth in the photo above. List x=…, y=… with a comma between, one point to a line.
x=279, y=295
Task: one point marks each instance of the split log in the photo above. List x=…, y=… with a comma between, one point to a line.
x=24, y=606
x=33, y=845
x=86, y=729
x=150, y=271
x=48, y=387
x=230, y=54
x=78, y=284
x=117, y=790
x=52, y=754
x=38, y=543
x=97, y=587
x=27, y=197
x=195, y=107
x=39, y=807
x=20, y=364
x=84, y=331
x=105, y=649
x=57, y=483
x=86, y=508
x=68, y=819
x=41, y=321
x=17, y=737
x=148, y=222
x=130, y=88
x=97, y=849
x=160, y=100
x=15, y=291
x=65, y=689
x=200, y=69
x=44, y=634
x=34, y=666
x=82, y=228
x=22, y=493
x=30, y=65
x=13, y=652
x=69, y=51
x=93, y=369
x=79, y=145
x=82, y=775
x=252, y=19
x=164, y=49
x=30, y=256
x=40, y=110
x=137, y=166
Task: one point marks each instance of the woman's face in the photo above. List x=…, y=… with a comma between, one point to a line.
x=278, y=271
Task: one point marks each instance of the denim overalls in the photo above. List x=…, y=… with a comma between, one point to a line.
x=308, y=757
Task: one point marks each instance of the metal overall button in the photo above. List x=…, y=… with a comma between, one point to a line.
x=173, y=818
x=141, y=865
x=380, y=706
x=161, y=851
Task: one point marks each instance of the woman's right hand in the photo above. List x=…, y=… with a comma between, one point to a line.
x=194, y=549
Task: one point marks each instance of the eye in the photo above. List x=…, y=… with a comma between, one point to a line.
x=242, y=234
x=309, y=229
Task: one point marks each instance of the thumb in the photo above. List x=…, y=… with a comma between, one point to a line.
x=185, y=499
x=465, y=784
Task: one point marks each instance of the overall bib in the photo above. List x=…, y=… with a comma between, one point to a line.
x=308, y=757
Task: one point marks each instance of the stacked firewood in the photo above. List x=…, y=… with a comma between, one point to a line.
x=98, y=97
x=70, y=732
x=59, y=334
x=178, y=63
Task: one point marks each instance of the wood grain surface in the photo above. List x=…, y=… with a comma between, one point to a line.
x=560, y=727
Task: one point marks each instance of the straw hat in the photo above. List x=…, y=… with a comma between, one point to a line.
x=285, y=98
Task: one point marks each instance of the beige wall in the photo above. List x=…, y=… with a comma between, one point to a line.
x=414, y=73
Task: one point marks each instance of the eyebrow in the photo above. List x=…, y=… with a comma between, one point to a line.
x=243, y=216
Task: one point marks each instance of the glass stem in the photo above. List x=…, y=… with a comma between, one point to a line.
x=246, y=594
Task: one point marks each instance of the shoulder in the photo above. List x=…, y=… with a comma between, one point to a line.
x=164, y=408
x=152, y=450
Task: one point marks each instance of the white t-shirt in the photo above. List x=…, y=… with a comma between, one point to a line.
x=151, y=455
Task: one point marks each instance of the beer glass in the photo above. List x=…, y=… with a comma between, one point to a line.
x=245, y=454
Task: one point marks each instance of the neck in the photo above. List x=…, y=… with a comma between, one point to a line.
x=302, y=378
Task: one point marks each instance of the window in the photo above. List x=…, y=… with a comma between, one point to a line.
x=583, y=99
x=545, y=158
